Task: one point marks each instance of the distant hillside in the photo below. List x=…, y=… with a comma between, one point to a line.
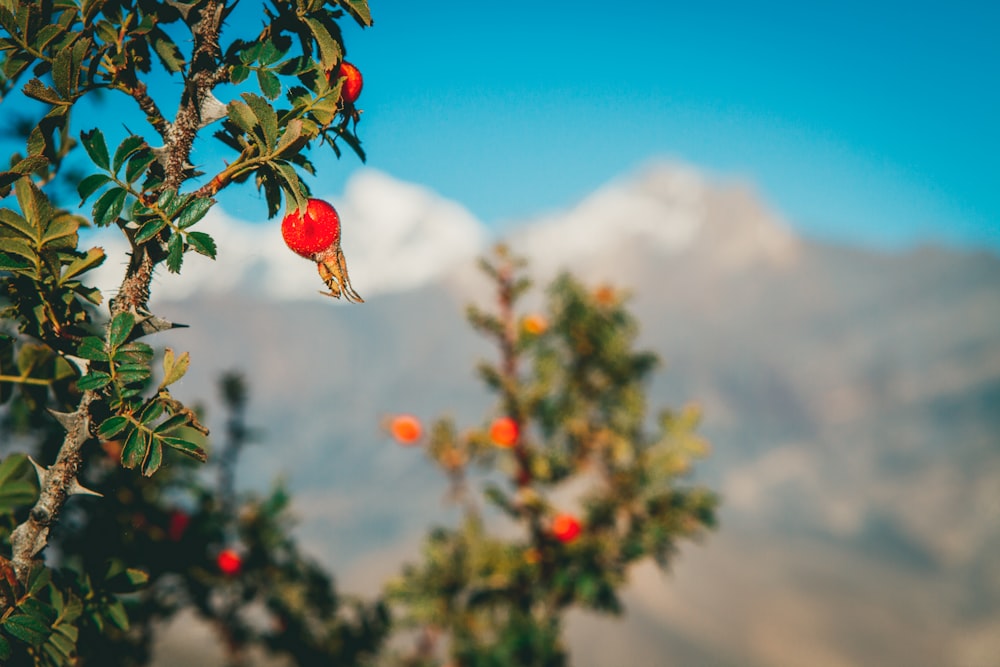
x=853, y=399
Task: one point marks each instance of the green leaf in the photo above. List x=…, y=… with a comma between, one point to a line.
x=121, y=327
x=112, y=426
x=202, y=243
x=115, y=612
x=135, y=352
x=329, y=49
x=270, y=85
x=138, y=164
x=292, y=132
x=131, y=373
x=359, y=10
x=37, y=90
x=126, y=149
x=175, y=253
x=90, y=185
x=16, y=264
x=155, y=458
x=174, y=367
x=194, y=212
x=266, y=117
x=172, y=423
x=242, y=116
x=4, y=649
x=92, y=348
x=12, y=467
x=29, y=629
x=93, y=381
x=96, y=148
x=134, y=451
x=170, y=55
x=108, y=207
x=92, y=258
x=149, y=230
x=185, y=447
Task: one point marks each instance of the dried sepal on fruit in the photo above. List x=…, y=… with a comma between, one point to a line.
x=315, y=235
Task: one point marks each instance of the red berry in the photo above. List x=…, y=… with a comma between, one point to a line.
x=406, y=429
x=311, y=232
x=178, y=525
x=353, y=82
x=566, y=528
x=504, y=432
x=230, y=563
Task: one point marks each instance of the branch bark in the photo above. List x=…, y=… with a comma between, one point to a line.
x=60, y=480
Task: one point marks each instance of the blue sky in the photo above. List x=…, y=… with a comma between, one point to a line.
x=860, y=121
x=863, y=122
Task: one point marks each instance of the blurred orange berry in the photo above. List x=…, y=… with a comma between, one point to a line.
x=406, y=429
x=504, y=432
x=534, y=324
x=532, y=556
x=230, y=563
x=605, y=295
x=566, y=528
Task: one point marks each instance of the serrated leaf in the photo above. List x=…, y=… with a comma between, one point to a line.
x=138, y=164
x=125, y=149
x=242, y=116
x=151, y=413
x=155, y=458
x=239, y=74
x=292, y=132
x=92, y=348
x=17, y=494
x=270, y=85
x=185, y=447
x=37, y=90
x=4, y=649
x=134, y=451
x=194, y=212
x=202, y=243
x=111, y=427
x=149, y=230
x=97, y=149
x=169, y=53
x=109, y=206
x=134, y=352
x=15, y=264
x=359, y=10
x=266, y=117
x=174, y=367
x=329, y=49
x=175, y=253
x=172, y=423
x=131, y=374
x=90, y=185
x=93, y=381
x=28, y=629
x=121, y=327
x=94, y=257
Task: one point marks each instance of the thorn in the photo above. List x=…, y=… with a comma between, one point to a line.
x=66, y=419
x=150, y=324
x=82, y=365
x=211, y=110
x=77, y=489
x=40, y=471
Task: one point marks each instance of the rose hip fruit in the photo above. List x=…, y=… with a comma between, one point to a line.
x=229, y=562
x=406, y=429
x=566, y=528
x=315, y=234
x=350, y=90
x=504, y=432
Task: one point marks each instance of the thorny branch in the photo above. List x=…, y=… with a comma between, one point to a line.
x=59, y=480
